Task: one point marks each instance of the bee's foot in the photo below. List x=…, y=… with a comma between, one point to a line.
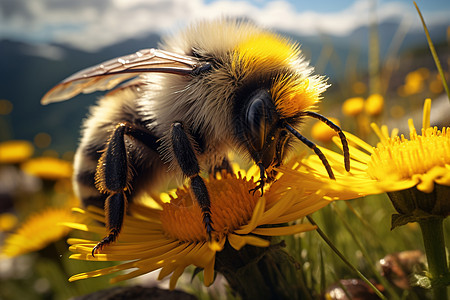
x=208, y=222
x=110, y=238
x=259, y=186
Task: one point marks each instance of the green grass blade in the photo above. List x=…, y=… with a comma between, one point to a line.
x=344, y=259
x=365, y=253
x=433, y=52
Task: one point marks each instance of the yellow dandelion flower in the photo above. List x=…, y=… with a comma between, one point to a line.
x=173, y=237
x=38, y=231
x=353, y=106
x=423, y=159
x=322, y=132
x=421, y=162
x=12, y=152
x=374, y=105
x=48, y=168
x=414, y=172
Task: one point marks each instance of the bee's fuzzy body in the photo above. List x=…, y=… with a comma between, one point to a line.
x=215, y=87
x=205, y=104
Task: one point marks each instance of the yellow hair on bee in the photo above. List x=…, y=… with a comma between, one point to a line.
x=294, y=94
x=266, y=51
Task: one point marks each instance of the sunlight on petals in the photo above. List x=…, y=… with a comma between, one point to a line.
x=147, y=243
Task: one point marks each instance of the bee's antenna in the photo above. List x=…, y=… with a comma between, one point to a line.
x=313, y=147
x=338, y=131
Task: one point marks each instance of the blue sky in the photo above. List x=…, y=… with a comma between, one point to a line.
x=92, y=24
x=333, y=5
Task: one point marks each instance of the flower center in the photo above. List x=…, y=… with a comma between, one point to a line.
x=231, y=207
x=399, y=158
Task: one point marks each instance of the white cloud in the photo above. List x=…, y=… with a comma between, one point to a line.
x=92, y=24
x=43, y=50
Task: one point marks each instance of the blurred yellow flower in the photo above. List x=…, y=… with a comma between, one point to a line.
x=48, y=168
x=359, y=87
x=173, y=237
x=6, y=107
x=42, y=140
x=397, y=111
x=322, y=132
x=414, y=82
x=374, y=105
x=38, y=231
x=12, y=152
x=436, y=86
x=353, y=106
x=8, y=221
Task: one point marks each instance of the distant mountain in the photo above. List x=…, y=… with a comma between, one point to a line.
x=357, y=43
x=26, y=76
x=28, y=71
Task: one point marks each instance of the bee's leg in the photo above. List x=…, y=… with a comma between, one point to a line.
x=262, y=180
x=114, y=175
x=185, y=155
x=115, y=207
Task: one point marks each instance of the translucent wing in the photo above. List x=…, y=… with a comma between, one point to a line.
x=109, y=74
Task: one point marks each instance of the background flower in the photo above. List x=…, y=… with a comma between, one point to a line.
x=37, y=232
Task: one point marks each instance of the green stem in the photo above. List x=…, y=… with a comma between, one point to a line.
x=433, y=239
x=366, y=224
x=366, y=255
x=344, y=259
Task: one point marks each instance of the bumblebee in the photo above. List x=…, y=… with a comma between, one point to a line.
x=174, y=111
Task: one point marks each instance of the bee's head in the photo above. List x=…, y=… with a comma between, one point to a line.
x=274, y=90
x=265, y=131
x=260, y=128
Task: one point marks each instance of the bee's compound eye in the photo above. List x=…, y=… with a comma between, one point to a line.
x=258, y=119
